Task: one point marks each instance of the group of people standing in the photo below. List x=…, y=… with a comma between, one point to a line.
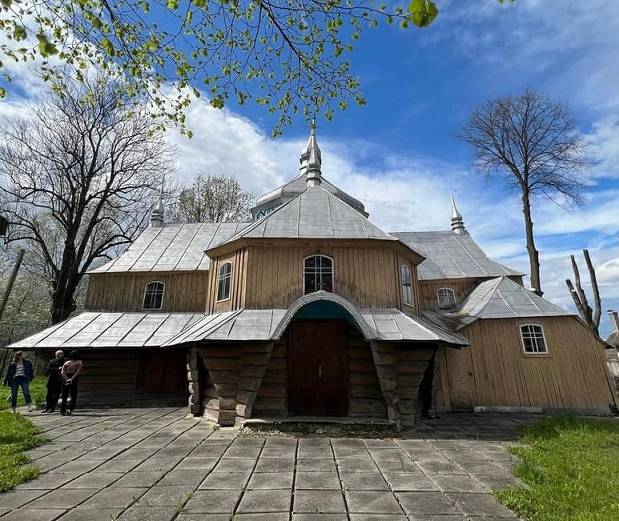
x=62, y=379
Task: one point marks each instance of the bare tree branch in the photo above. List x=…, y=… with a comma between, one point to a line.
x=78, y=178
x=530, y=141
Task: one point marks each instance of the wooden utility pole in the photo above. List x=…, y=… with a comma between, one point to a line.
x=11, y=282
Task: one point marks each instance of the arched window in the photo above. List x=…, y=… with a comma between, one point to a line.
x=446, y=298
x=407, y=284
x=153, y=295
x=533, y=340
x=223, y=281
x=317, y=273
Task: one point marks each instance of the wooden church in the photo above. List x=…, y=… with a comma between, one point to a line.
x=311, y=310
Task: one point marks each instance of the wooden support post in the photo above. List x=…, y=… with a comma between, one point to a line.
x=254, y=360
x=193, y=382
x=384, y=361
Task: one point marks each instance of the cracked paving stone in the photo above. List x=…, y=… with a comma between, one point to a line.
x=434, y=503
x=213, y=502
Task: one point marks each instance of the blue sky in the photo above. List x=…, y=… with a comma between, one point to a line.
x=398, y=153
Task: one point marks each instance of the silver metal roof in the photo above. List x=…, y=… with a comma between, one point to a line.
x=136, y=330
x=293, y=188
x=172, y=247
x=451, y=256
x=500, y=297
x=317, y=214
x=105, y=330
x=267, y=324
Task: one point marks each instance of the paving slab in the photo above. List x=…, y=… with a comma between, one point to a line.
x=256, y=501
x=61, y=499
x=372, y=502
x=319, y=502
x=213, y=502
x=271, y=480
x=91, y=514
x=149, y=464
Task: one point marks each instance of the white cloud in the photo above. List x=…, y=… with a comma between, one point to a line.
x=565, y=46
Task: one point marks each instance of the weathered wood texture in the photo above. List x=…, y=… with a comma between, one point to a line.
x=412, y=361
x=428, y=298
x=428, y=291
x=495, y=371
x=184, y=292
x=132, y=376
x=367, y=276
x=238, y=259
x=365, y=397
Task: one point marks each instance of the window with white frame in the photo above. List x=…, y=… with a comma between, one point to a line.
x=317, y=273
x=224, y=279
x=153, y=295
x=446, y=298
x=533, y=340
x=407, y=284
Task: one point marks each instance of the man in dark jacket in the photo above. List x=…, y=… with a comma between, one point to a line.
x=20, y=374
x=54, y=381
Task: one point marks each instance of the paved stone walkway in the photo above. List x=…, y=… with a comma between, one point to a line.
x=159, y=465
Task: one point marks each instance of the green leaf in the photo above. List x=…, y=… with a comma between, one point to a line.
x=6, y=3
x=46, y=48
x=19, y=33
x=422, y=12
x=172, y=4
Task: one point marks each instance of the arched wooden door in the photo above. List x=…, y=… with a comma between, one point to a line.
x=317, y=368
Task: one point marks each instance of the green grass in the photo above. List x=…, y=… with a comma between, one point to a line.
x=571, y=466
x=17, y=434
x=38, y=390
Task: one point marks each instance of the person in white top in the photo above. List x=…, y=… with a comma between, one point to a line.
x=70, y=372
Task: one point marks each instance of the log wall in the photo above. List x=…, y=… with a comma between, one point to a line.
x=118, y=377
x=495, y=371
x=184, y=291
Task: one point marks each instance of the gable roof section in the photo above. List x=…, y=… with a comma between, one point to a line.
x=172, y=247
x=297, y=185
x=314, y=214
x=452, y=256
x=504, y=298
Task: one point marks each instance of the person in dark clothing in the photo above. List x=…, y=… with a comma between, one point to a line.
x=70, y=372
x=54, y=381
x=19, y=374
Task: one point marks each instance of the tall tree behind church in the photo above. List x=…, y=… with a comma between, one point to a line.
x=214, y=199
x=77, y=177
x=532, y=142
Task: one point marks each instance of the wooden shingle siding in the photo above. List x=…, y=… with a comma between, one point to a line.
x=184, y=292
x=571, y=376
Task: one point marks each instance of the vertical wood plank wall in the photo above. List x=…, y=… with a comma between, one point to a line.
x=184, y=291
x=238, y=259
x=368, y=277
x=572, y=376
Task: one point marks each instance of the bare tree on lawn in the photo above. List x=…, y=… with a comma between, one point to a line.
x=77, y=179
x=531, y=141
x=215, y=199
x=590, y=316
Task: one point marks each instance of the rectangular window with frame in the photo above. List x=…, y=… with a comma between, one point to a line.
x=533, y=340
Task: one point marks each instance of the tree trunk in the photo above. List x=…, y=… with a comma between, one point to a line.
x=531, y=249
x=11, y=281
x=63, y=298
